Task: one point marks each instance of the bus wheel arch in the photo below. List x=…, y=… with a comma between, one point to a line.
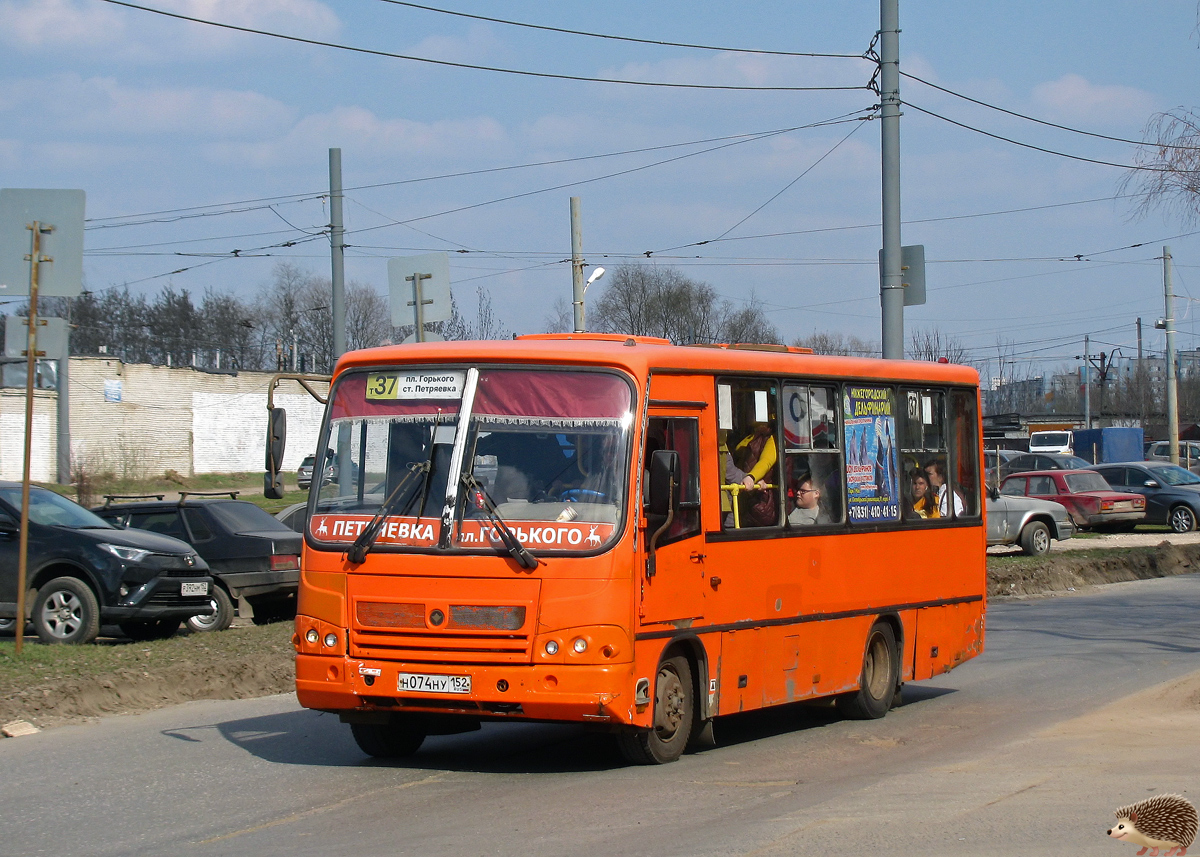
x=879, y=677
x=675, y=713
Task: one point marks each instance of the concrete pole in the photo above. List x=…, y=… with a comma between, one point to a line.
x=64, y=410
x=1172, y=380
x=891, y=286
x=577, y=266
x=1087, y=381
x=35, y=260
x=337, y=253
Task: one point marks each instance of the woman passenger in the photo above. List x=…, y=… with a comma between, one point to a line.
x=924, y=504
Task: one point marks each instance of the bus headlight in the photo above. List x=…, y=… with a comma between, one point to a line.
x=580, y=645
x=312, y=636
x=552, y=647
x=330, y=640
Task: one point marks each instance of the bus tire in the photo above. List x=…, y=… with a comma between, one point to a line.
x=674, y=717
x=1035, y=539
x=880, y=676
x=387, y=740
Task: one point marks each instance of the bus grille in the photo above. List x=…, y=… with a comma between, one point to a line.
x=440, y=648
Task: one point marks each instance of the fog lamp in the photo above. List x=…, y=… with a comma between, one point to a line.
x=552, y=647
x=312, y=636
x=580, y=645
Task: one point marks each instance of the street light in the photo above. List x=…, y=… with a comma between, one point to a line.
x=595, y=275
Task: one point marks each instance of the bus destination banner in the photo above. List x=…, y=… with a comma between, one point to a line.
x=873, y=488
x=423, y=533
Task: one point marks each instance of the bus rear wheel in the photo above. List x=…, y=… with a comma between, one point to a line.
x=880, y=677
x=674, y=717
x=387, y=740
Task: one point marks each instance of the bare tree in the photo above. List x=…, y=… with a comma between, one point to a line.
x=560, y=317
x=839, y=344
x=1167, y=171
x=933, y=345
x=368, y=317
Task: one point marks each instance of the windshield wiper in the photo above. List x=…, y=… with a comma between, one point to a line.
x=358, y=551
x=511, y=543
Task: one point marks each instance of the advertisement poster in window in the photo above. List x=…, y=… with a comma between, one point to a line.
x=873, y=489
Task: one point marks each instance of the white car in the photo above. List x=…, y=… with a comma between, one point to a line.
x=1026, y=521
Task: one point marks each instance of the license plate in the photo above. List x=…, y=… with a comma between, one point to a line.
x=1124, y=506
x=194, y=589
x=422, y=683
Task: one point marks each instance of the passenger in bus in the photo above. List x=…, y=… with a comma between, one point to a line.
x=756, y=456
x=935, y=470
x=923, y=503
x=807, y=510
x=732, y=475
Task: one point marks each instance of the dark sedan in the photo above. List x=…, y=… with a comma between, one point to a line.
x=82, y=571
x=251, y=554
x=1027, y=461
x=1172, y=493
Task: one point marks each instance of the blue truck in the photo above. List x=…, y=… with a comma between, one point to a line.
x=1108, y=445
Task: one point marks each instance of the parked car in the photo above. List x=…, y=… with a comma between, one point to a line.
x=992, y=457
x=1026, y=521
x=82, y=571
x=251, y=554
x=1189, y=453
x=304, y=473
x=1090, y=501
x=1050, y=441
x=1172, y=493
x=293, y=516
x=1042, y=461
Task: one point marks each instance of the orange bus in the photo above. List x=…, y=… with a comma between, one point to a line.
x=618, y=531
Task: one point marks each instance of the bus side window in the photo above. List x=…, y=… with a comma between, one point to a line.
x=924, y=455
x=748, y=449
x=813, y=460
x=964, y=423
x=680, y=434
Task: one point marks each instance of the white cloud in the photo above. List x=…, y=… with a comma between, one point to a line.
x=130, y=34
x=369, y=136
x=1074, y=98
x=737, y=69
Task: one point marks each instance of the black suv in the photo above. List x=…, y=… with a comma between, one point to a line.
x=82, y=571
x=251, y=554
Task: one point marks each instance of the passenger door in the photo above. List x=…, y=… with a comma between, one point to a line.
x=674, y=587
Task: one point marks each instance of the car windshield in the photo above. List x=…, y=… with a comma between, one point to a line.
x=240, y=516
x=546, y=450
x=1086, y=482
x=1072, y=462
x=1050, y=438
x=51, y=510
x=1173, y=475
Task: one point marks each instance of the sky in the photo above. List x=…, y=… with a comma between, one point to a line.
x=204, y=153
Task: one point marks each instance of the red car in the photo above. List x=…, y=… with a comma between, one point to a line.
x=1089, y=500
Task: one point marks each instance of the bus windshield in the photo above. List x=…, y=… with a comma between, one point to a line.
x=448, y=450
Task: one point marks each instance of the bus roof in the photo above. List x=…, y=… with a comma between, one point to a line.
x=643, y=355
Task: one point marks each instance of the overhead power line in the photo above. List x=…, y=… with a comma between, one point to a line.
x=610, y=37
x=1030, y=145
x=1039, y=121
x=474, y=67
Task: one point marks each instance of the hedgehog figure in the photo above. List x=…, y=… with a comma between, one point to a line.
x=1164, y=821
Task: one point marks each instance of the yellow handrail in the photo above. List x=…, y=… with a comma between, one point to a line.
x=736, y=488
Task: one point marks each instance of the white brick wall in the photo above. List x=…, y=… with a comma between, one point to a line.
x=167, y=419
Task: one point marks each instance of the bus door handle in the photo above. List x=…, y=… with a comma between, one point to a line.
x=696, y=557
x=714, y=581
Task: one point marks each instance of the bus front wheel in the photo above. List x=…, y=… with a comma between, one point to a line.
x=674, y=717
x=880, y=677
x=387, y=740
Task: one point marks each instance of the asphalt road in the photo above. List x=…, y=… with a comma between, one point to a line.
x=985, y=760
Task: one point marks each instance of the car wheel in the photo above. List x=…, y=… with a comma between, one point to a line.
x=155, y=629
x=1035, y=539
x=1182, y=519
x=221, y=617
x=66, y=611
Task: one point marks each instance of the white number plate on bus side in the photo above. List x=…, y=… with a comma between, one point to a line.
x=422, y=683
x=194, y=589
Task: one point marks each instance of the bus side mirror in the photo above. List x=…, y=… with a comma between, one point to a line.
x=276, y=439
x=664, y=483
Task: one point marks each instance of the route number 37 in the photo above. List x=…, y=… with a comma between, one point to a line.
x=381, y=386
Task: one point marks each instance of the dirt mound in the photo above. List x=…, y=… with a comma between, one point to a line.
x=1066, y=571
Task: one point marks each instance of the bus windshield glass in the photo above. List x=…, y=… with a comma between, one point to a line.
x=440, y=455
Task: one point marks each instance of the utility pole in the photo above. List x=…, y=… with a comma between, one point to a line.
x=891, y=287
x=1141, y=378
x=337, y=253
x=577, y=266
x=1172, y=389
x=1087, y=382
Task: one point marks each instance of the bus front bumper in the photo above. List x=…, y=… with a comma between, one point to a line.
x=560, y=692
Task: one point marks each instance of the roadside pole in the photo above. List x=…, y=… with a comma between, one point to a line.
x=577, y=266
x=1087, y=382
x=337, y=253
x=35, y=260
x=1172, y=380
x=891, y=286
